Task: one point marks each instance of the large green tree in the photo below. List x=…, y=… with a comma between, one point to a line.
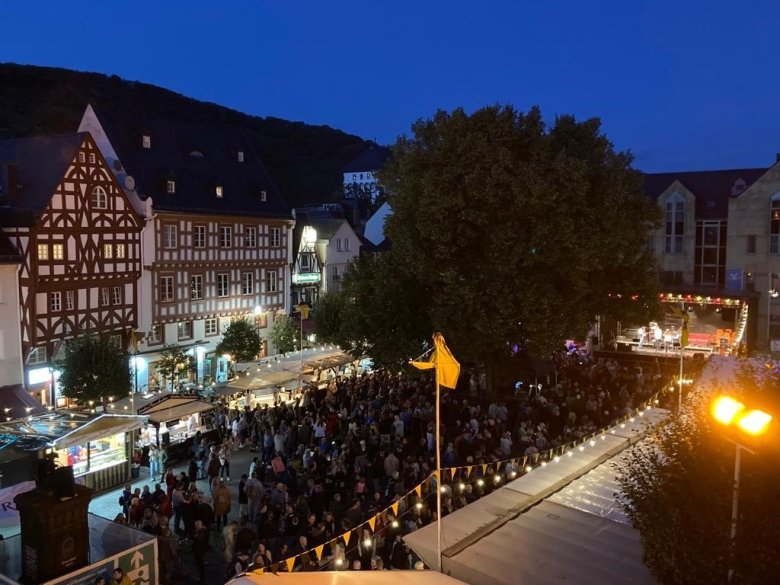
x=677, y=491
x=174, y=364
x=93, y=368
x=510, y=233
x=241, y=340
x=285, y=334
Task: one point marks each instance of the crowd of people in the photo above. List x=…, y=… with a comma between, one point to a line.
x=336, y=457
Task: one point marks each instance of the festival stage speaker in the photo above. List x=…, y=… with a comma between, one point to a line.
x=55, y=529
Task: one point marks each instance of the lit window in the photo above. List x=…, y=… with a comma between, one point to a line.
x=218, y=191
x=774, y=224
x=43, y=251
x=37, y=355
x=675, y=224
x=263, y=195
x=55, y=302
x=108, y=251
x=199, y=236
x=251, y=237
x=222, y=284
x=70, y=300
x=99, y=198
x=247, y=283
x=170, y=186
x=166, y=289
x=116, y=295
x=196, y=287
x=169, y=235
x=185, y=330
x=58, y=251
x=211, y=326
x=120, y=250
x=276, y=237
x=271, y=282
x=240, y=156
x=225, y=237
x=146, y=141
x=156, y=334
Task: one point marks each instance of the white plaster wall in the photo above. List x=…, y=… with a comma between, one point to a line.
x=11, y=362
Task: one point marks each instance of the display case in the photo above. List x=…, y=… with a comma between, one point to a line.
x=97, y=455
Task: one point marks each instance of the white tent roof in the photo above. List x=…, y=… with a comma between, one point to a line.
x=557, y=524
x=350, y=578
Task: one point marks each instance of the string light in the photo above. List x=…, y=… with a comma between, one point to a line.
x=557, y=459
x=461, y=486
x=418, y=505
x=496, y=478
x=528, y=469
x=480, y=482
x=569, y=453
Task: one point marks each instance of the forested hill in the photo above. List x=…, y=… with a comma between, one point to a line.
x=305, y=161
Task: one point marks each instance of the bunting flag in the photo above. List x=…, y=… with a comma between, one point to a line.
x=290, y=564
x=318, y=551
x=468, y=471
x=418, y=490
x=525, y=461
x=684, y=333
x=372, y=523
x=484, y=469
x=346, y=536
x=394, y=507
x=453, y=471
x=447, y=367
x=303, y=309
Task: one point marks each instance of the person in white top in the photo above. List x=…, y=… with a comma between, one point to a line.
x=658, y=337
x=642, y=332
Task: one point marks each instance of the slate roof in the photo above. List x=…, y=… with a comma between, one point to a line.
x=199, y=157
x=42, y=162
x=712, y=189
x=370, y=159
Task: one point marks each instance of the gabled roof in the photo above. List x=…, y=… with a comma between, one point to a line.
x=371, y=159
x=199, y=157
x=712, y=189
x=42, y=162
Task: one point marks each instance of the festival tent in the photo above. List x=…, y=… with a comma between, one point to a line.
x=348, y=578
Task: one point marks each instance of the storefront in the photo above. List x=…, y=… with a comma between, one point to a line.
x=174, y=419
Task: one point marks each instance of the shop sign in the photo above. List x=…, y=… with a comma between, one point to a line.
x=139, y=564
x=306, y=278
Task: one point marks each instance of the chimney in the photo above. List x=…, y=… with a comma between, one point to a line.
x=9, y=182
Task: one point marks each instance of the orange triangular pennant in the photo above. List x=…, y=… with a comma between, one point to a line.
x=453, y=471
x=484, y=469
x=290, y=564
x=468, y=471
x=318, y=551
x=346, y=536
x=394, y=508
x=418, y=490
x=372, y=523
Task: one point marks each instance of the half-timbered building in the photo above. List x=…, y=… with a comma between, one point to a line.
x=217, y=239
x=78, y=239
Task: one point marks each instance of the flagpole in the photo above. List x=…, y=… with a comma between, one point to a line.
x=438, y=468
x=683, y=327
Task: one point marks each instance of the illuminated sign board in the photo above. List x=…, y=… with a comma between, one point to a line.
x=306, y=278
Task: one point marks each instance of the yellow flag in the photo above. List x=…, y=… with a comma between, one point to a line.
x=303, y=309
x=452, y=472
x=394, y=507
x=447, y=367
x=318, y=551
x=346, y=536
x=484, y=469
x=418, y=489
x=468, y=470
x=372, y=523
x=290, y=564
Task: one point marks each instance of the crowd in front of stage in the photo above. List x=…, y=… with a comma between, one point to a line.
x=337, y=457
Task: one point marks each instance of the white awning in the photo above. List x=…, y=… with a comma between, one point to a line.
x=176, y=411
x=98, y=428
x=349, y=578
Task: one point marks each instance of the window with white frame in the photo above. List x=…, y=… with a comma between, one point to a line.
x=120, y=251
x=92, y=158
x=223, y=287
x=58, y=252
x=240, y=156
x=146, y=141
x=37, y=356
x=184, y=330
x=166, y=289
x=338, y=245
x=169, y=235
x=219, y=192
x=105, y=296
x=108, y=251
x=55, y=301
x=251, y=236
x=270, y=282
x=774, y=224
x=199, y=236
x=196, y=287
x=82, y=157
x=210, y=326
x=334, y=272
x=247, y=283
x=70, y=300
x=156, y=334
x=43, y=251
x=170, y=186
x=99, y=198
x=116, y=295
x=675, y=224
x=263, y=195
x=225, y=236
x=346, y=244
x=276, y=237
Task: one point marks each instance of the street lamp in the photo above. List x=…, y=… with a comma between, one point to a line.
x=753, y=423
x=772, y=293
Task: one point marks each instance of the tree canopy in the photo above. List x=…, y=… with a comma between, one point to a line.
x=93, y=368
x=174, y=364
x=241, y=340
x=506, y=234
x=677, y=490
x=285, y=334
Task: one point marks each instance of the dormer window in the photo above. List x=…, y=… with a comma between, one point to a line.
x=218, y=191
x=170, y=186
x=263, y=195
x=146, y=140
x=240, y=156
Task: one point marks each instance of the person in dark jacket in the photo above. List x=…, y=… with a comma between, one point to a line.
x=201, y=546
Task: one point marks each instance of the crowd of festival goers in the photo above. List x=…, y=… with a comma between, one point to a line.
x=336, y=457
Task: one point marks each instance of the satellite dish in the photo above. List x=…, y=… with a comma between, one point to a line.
x=129, y=183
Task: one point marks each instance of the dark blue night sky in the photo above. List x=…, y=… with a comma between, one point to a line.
x=684, y=85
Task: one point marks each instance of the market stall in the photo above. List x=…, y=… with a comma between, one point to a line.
x=175, y=419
